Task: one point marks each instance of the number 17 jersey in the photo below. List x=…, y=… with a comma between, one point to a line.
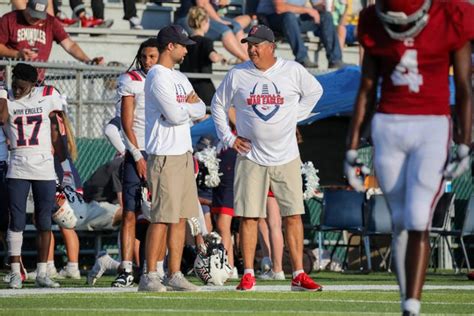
x=29, y=132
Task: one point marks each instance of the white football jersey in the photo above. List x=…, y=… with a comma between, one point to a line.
x=29, y=132
x=132, y=83
x=3, y=146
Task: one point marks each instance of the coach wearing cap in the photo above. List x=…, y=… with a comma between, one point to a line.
x=28, y=34
x=170, y=106
x=270, y=96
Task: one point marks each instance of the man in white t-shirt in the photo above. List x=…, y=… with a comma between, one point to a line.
x=31, y=127
x=270, y=96
x=170, y=106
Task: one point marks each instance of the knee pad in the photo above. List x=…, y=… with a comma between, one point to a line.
x=15, y=241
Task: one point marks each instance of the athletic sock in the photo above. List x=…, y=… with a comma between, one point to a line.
x=41, y=268
x=15, y=266
x=297, y=272
x=251, y=271
x=72, y=266
x=127, y=266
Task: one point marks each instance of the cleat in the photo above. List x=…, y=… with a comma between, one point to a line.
x=15, y=281
x=124, y=279
x=247, y=283
x=177, y=282
x=270, y=275
x=45, y=282
x=66, y=273
x=150, y=282
x=302, y=282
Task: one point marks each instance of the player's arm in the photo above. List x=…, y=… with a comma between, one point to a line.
x=127, y=116
x=58, y=144
x=3, y=107
x=365, y=105
x=462, y=81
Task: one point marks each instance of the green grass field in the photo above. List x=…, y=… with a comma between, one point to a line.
x=339, y=298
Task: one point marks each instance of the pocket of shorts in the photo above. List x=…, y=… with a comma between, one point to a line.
x=161, y=163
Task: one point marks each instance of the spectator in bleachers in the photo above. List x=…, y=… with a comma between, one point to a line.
x=130, y=14
x=28, y=35
x=202, y=55
x=292, y=17
x=339, y=10
x=221, y=28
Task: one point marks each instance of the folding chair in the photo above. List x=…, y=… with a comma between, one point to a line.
x=379, y=223
x=467, y=229
x=440, y=224
x=343, y=210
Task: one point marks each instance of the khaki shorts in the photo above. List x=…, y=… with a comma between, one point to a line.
x=173, y=188
x=252, y=182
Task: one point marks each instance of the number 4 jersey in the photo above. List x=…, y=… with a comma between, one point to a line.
x=29, y=132
x=415, y=71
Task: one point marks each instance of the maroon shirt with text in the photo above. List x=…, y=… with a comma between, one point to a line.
x=16, y=33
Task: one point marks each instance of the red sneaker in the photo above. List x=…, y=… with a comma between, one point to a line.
x=470, y=276
x=68, y=22
x=247, y=283
x=90, y=21
x=303, y=282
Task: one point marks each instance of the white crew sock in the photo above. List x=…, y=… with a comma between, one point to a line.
x=41, y=268
x=15, y=267
x=412, y=305
x=127, y=266
x=251, y=271
x=297, y=272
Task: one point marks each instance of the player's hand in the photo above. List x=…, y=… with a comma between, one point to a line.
x=459, y=163
x=27, y=54
x=141, y=168
x=242, y=145
x=355, y=170
x=192, y=98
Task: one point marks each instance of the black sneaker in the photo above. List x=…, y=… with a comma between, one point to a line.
x=124, y=279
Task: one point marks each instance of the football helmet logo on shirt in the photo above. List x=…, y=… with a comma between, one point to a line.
x=265, y=99
x=396, y=13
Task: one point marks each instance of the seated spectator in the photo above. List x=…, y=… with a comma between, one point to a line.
x=130, y=14
x=292, y=17
x=79, y=10
x=202, y=55
x=339, y=13
x=221, y=28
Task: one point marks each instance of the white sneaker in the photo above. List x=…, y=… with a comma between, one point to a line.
x=150, y=282
x=177, y=282
x=101, y=265
x=234, y=274
x=265, y=264
x=45, y=282
x=135, y=23
x=66, y=273
x=270, y=275
x=14, y=281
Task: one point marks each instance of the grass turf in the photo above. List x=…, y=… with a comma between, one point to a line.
x=259, y=303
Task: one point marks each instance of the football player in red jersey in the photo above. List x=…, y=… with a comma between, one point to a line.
x=410, y=45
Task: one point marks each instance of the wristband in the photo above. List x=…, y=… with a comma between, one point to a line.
x=3, y=94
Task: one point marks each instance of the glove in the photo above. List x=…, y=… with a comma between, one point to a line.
x=355, y=170
x=459, y=163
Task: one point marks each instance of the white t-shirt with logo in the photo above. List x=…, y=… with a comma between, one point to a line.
x=168, y=115
x=29, y=132
x=268, y=106
x=132, y=83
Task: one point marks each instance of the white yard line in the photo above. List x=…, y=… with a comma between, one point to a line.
x=225, y=288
